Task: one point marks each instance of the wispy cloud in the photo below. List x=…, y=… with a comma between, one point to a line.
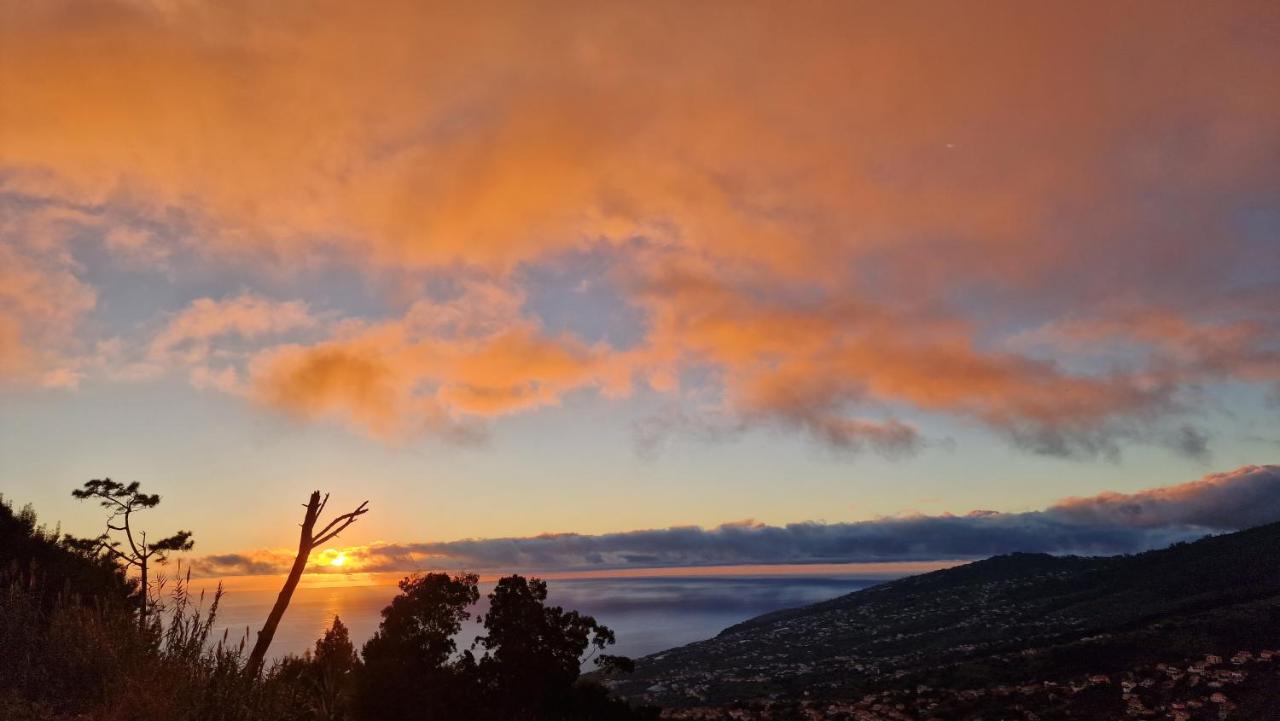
x=189, y=332
x=42, y=299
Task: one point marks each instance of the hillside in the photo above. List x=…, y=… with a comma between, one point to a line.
x=1011, y=619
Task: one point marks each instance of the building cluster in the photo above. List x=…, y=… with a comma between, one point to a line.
x=875, y=635
x=1210, y=687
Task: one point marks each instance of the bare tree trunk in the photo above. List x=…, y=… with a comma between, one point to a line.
x=146, y=596
x=307, y=540
x=286, y=594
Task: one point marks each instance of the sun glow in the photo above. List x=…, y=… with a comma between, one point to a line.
x=339, y=560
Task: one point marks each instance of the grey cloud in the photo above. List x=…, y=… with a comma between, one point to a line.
x=1191, y=442
x=237, y=564
x=1247, y=496
x=1107, y=523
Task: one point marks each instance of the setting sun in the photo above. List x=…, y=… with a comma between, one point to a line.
x=339, y=560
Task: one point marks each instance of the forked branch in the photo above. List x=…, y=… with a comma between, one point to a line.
x=308, y=539
x=329, y=532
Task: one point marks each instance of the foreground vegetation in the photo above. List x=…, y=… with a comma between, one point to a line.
x=1187, y=633
x=74, y=649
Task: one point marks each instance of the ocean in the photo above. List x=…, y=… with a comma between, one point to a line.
x=648, y=613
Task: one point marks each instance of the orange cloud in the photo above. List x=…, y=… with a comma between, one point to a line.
x=42, y=301
x=246, y=315
x=844, y=207
x=492, y=134
x=810, y=362
x=841, y=370
x=442, y=363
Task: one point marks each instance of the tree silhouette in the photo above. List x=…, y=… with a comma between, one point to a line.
x=322, y=678
x=529, y=670
x=407, y=672
x=307, y=541
x=534, y=652
x=123, y=501
x=335, y=658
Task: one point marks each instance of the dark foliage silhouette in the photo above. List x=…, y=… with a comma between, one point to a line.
x=529, y=667
x=122, y=501
x=410, y=670
x=71, y=647
x=54, y=565
x=533, y=651
x=322, y=678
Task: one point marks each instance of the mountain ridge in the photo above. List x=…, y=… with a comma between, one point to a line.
x=1006, y=619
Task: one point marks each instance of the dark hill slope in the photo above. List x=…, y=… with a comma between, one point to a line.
x=1008, y=619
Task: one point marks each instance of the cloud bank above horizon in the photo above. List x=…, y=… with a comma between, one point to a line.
x=1104, y=524
x=835, y=220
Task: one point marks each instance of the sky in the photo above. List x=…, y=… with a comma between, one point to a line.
x=717, y=274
